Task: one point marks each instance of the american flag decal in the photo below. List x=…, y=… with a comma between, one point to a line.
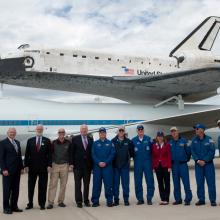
x=128, y=71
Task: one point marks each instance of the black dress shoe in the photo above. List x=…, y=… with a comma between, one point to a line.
x=140, y=202
x=95, y=205
x=87, y=204
x=110, y=205
x=200, y=203
x=29, y=207
x=149, y=202
x=116, y=203
x=7, y=211
x=62, y=205
x=49, y=206
x=177, y=203
x=17, y=210
x=42, y=208
x=126, y=203
x=79, y=205
x=213, y=204
x=187, y=203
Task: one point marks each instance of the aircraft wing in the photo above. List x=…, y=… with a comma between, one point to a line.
x=209, y=118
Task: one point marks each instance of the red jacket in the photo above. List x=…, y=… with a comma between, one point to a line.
x=162, y=155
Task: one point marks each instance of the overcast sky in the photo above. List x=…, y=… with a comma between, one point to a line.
x=135, y=27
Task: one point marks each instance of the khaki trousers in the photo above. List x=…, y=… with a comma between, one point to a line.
x=58, y=171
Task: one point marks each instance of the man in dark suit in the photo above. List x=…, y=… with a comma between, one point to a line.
x=38, y=162
x=82, y=165
x=11, y=168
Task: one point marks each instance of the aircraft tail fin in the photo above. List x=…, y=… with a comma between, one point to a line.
x=201, y=38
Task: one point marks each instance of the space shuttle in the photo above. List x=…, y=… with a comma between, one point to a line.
x=190, y=73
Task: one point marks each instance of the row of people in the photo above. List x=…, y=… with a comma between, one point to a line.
x=110, y=163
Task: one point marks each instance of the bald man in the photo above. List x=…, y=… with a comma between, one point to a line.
x=38, y=163
x=11, y=167
x=61, y=154
x=82, y=163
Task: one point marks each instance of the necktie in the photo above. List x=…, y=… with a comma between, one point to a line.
x=85, y=142
x=15, y=145
x=38, y=144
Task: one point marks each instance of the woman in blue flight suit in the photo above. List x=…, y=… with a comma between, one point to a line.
x=143, y=165
x=180, y=155
x=121, y=165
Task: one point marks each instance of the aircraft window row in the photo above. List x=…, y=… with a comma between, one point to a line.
x=9, y=123
x=109, y=59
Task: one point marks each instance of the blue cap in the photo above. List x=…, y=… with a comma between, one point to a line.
x=160, y=134
x=102, y=129
x=197, y=126
x=141, y=127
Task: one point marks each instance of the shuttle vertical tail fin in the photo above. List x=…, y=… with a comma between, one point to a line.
x=201, y=38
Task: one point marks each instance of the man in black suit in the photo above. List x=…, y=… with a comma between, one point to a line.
x=38, y=162
x=82, y=165
x=11, y=168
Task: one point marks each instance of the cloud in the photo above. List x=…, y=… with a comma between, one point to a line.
x=151, y=27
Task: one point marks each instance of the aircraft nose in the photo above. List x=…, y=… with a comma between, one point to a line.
x=10, y=65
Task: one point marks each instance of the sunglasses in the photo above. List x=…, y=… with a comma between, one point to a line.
x=121, y=130
x=140, y=129
x=61, y=132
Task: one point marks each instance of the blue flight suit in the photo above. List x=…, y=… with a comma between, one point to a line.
x=143, y=165
x=204, y=149
x=180, y=154
x=102, y=151
x=121, y=165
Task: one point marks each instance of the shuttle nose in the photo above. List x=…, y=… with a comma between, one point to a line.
x=10, y=65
